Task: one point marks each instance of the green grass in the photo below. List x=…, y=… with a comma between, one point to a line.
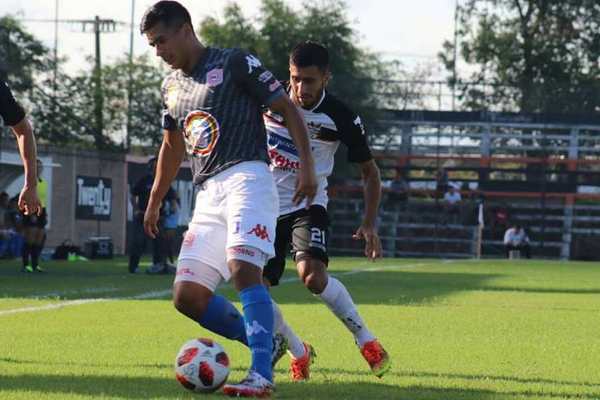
x=455, y=330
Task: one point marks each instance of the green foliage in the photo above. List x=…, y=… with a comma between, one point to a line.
x=533, y=56
x=22, y=56
x=280, y=28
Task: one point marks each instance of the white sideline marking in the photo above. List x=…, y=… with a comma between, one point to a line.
x=54, y=306
x=161, y=293
x=70, y=292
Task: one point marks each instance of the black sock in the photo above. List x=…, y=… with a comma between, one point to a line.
x=25, y=253
x=35, y=255
x=134, y=261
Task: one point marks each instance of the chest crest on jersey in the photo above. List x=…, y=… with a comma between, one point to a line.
x=314, y=129
x=201, y=132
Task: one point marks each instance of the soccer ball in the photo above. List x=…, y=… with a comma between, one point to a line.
x=202, y=365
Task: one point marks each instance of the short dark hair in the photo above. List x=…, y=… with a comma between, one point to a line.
x=170, y=13
x=308, y=54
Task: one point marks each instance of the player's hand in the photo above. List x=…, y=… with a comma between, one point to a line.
x=151, y=217
x=306, y=187
x=29, y=201
x=372, y=243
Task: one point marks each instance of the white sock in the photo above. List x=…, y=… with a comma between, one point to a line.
x=340, y=303
x=295, y=345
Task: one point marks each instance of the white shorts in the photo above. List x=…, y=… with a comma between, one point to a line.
x=237, y=207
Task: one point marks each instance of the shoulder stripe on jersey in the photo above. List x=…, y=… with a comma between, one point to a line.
x=272, y=120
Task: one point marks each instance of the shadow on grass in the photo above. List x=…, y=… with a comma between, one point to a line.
x=541, y=290
x=394, y=287
x=163, y=388
x=326, y=372
x=391, y=287
x=468, y=377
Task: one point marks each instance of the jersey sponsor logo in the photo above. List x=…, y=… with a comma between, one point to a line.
x=282, y=162
x=255, y=328
x=201, y=131
x=253, y=62
x=282, y=143
x=261, y=232
x=214, y=77
x=242, y=251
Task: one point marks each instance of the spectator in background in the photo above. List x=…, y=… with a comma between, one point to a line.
x=140, y=193
x=172, y=213
x=14, y=221
x=452, y=202
x=4, y=228
x=398, y=194
x=500, y=218
x=34, y=228
x=441, y=182
x=515, y=238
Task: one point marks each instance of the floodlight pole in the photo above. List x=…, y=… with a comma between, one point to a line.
x=127, y=142
x=456, y=10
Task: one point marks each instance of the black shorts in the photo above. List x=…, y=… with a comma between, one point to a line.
x=35, y=221
x=307, y=231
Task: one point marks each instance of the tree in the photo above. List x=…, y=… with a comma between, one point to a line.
x=21, y=55
x=279, y=28
x=536, y=56
x=74, y=102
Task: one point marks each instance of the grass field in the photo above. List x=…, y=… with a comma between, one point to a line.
x=455, y=330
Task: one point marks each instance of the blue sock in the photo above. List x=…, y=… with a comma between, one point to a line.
x=222, y=318
x=258, y=316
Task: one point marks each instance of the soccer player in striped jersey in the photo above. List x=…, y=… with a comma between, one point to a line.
x=213, y=110
x=305, y=227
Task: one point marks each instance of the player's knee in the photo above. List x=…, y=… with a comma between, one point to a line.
x=190, y=304
x=314, y=276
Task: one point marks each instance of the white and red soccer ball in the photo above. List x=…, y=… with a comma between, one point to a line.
x=202, y=365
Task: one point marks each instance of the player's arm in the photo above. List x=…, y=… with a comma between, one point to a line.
x=307, y=181
x=28, y=199
x=353, y=136
x=372, y=196
x=14, y=116
x=170, y=157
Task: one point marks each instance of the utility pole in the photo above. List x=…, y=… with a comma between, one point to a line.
x=456, y=10
x=127, y=142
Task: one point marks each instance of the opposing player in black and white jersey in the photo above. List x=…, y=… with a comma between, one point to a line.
x=306, y=229
x=213, y=108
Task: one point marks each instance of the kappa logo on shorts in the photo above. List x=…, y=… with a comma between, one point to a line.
x=261, y=232
x=188, y=240
x=185, y=271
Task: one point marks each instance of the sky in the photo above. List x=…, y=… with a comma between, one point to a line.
x=408, y=30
